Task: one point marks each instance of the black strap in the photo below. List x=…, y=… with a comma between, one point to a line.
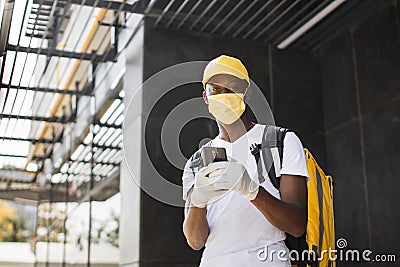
x=271, y=140
x=280, y=138
x=268, y=159
x=255, y=151
x=272, y=137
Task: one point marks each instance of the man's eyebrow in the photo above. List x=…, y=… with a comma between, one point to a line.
x=226, y=85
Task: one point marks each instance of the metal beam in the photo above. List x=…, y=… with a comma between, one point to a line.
x=49, y=3
x=37, y=118
x=16, y=175
x=40, y=36
x=107, y=125
x=32, y=140
x=4, y=180
x=96, y=163
x=103, y=146
x=49, y=90
x=79, y=174
x=111, y=25
x=61, y=53
x=105, y=183
x=137, y=7
x=36, y=194
x=13, y=156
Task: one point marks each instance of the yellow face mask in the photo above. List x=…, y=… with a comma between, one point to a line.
x=226, y=108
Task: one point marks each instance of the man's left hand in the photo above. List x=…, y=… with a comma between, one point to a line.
x=233, y=176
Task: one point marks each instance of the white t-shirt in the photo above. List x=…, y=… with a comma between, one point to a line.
x=237, y=228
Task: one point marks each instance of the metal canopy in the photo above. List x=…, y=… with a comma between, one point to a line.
x=91, y=169
x=36, y=109
x=265, y=21
x=136, y=7
x=95, y=58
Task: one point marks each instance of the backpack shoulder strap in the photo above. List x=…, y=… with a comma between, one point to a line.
x=272, y=152
x=280, y=138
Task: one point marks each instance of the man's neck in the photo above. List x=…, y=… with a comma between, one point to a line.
x=234, y=131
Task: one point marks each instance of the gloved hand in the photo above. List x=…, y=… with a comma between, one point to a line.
x=204, y=189
x=232, y=175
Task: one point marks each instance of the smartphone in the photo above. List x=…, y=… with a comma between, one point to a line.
x=212, y=154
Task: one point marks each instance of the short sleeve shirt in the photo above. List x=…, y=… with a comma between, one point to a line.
x=236, y=224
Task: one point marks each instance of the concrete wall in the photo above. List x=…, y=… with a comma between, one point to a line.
x=130, y=219
x=361, y=89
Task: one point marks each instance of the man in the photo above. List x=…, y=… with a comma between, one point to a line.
x=227, y=210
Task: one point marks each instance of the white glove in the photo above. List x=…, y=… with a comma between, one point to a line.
x=204, y=189
x=231, y=175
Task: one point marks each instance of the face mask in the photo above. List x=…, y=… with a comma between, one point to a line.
x=226, y=108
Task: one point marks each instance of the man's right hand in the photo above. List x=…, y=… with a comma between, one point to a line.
x=204, y=189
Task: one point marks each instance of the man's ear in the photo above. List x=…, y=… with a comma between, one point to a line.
x=205, y=97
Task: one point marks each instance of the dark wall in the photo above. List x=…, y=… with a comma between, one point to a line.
x=297, y=99
x=344, y=103
x=361, y=92
x=162, y=240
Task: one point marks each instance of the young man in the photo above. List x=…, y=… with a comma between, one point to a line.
x=227, y=210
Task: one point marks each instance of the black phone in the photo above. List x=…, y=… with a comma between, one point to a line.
x=212, y=154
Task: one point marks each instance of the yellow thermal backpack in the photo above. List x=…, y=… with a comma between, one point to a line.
x=316, y=247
